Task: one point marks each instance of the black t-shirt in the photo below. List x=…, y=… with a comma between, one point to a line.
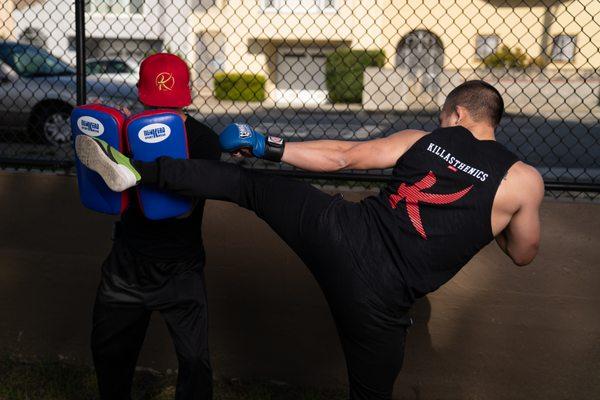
x=173, y=238
x=436, y=212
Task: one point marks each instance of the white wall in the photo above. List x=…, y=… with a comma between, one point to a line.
x=529, y=92
x=161, y=19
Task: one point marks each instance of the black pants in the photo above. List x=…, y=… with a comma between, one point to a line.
x=329, y=235
x=132, y=287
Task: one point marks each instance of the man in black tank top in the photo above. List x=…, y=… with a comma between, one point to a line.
x=452, y=191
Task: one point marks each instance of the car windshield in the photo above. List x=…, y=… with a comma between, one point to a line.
x=32, y=62
x=107, y=67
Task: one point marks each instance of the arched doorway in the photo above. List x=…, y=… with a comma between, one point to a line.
x=420, y=54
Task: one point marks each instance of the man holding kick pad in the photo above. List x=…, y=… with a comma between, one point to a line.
x=157, y=265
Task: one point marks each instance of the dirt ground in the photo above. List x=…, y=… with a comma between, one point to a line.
x=496, y=331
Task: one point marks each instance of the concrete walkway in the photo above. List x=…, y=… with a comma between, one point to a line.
x=494, y=332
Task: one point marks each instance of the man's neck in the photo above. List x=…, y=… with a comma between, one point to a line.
x=481, y=132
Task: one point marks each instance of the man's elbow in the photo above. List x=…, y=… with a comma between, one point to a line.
x=522, y=261
x=343, y=163
x=340, y=161
x=350, y=157
x=524, y=258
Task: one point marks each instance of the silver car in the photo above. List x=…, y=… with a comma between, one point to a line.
x=38, y=92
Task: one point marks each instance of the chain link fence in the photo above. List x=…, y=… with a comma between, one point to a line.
x=312, y=69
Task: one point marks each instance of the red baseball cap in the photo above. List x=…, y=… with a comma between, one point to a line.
x=164, y=81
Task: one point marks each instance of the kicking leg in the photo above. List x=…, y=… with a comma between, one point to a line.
x=294, y=209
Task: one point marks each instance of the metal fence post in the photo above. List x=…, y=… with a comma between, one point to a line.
x=80, y=50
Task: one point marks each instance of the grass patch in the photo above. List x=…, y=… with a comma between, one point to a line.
x=52, y=380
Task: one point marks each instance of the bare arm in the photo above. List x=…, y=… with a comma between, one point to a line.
x=336, y=155
x=521, y=237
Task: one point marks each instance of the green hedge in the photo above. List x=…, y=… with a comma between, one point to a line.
x=345, y=69
x=236, y=86
x=514, y=58
x=505, y=57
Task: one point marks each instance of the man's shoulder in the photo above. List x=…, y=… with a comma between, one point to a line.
x=412, y=133
x=525, y=178
x=522, y=186
x=407, y=137
x=526, y=172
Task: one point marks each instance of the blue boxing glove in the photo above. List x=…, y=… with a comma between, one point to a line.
x=236, y=137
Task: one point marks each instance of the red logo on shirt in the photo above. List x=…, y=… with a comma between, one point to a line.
x=413, y=195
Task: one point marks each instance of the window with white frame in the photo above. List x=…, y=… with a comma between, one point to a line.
x=563, y=48
x=486, y=45
x=114, y=6
x=300, y=5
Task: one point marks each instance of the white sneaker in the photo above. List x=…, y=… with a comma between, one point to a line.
x=114, y=167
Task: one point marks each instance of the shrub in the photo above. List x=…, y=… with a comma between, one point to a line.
x=344, y=73
x=507, y=58
x=541, y=61
x=240, y=86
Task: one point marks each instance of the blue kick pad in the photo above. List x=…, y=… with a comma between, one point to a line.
x=104, y=123
x=152, y=134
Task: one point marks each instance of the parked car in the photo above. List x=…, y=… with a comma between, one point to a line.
x=98, y=66
x=38, y=92
x=115, y=69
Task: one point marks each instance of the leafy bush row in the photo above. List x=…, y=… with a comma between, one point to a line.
x=345, y=70
x=240, y=86
x=515, y=58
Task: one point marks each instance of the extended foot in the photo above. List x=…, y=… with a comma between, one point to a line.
x=114, y=167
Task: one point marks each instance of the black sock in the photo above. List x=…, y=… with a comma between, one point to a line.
x=148, y=171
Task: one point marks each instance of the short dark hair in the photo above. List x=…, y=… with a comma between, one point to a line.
x=480, y=98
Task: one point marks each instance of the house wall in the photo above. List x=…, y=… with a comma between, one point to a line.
x=384, y=23
x=458, y=22
x=55, y=19
x=529, y=92
x=580, y=17
x=7, y=24
x=247, y=23
x=253, y=33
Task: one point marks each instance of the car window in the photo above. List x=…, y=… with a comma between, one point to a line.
x=94, y=67
x=107, y=67
x=118, y=67
x=30, y=61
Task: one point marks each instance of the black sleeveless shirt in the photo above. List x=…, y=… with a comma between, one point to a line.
x=173, y=239
x=435, y=215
